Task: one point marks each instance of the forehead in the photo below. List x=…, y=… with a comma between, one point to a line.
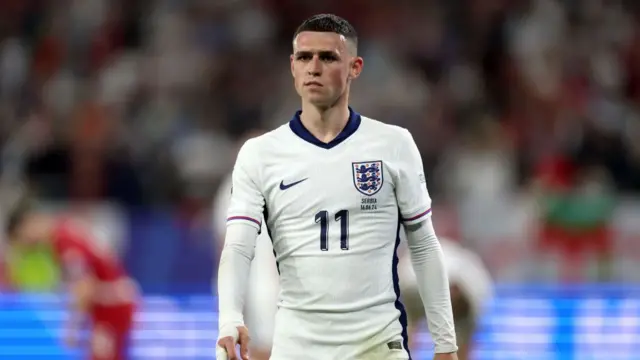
x=319, y=41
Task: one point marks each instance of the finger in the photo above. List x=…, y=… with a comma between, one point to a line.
x=228, y=347
x=221, y=353
x=243, y=340
x=223, y=341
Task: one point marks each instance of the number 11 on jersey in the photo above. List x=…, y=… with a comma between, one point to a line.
x=341, y=216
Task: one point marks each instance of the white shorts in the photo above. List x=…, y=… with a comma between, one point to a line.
x=292, y=340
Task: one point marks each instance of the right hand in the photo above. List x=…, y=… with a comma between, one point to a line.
x=226, y=349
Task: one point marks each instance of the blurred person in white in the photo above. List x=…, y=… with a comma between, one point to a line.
x=262, y=295
x=471, y=287
x=332, y=187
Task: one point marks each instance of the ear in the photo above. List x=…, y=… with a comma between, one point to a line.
x=356, y=67
x=291, y=62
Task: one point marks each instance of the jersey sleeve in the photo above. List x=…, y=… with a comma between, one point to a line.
x=246, y=204
x=411, y=185
x=220, y=208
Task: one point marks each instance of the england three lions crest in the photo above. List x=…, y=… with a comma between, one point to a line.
x=367, y=176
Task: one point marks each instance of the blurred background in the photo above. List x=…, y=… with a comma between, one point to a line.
x=129, y=113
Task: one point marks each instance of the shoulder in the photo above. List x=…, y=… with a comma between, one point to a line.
x=395, y=139
x=392, y=132
x=257, y=146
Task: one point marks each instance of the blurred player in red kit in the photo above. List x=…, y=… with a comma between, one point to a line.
x=102, y=294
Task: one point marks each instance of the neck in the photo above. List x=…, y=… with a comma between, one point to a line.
x=325, y=123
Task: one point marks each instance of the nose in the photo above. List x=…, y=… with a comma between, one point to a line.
x=314, y=67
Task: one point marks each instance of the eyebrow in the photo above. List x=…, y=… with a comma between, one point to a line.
x=320, y=53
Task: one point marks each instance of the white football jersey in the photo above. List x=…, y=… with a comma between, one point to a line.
x=333, y=211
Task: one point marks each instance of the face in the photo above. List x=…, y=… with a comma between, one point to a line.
x=31, y=231
x=323, y=65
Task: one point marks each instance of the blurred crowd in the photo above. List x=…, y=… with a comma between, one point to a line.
x=143, y=103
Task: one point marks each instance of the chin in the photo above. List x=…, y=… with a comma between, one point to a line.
x=319, y=101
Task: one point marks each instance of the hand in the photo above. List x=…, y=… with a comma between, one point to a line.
x=226, y=349
x=449, y=356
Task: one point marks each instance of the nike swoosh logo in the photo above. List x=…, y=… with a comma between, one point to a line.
x=285, y=187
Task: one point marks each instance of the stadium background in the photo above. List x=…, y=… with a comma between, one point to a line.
x=128, y=113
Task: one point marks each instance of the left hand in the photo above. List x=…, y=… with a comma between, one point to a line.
x=449, y=356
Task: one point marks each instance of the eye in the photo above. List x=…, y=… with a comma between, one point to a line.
x=304, y=57
x=328, y=57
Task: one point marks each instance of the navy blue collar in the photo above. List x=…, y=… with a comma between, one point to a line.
x=352, y=125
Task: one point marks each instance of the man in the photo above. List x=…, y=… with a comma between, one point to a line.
x=332, y=187
x=471, y=288
x=262, y=295
x=101, y=291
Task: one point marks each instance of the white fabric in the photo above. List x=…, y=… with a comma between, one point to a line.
x=333, y=215
x=464, y=269
x=262, y=293
x=431, y=280
x=233, y=274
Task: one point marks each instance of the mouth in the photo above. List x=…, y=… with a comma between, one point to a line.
x=313, y=83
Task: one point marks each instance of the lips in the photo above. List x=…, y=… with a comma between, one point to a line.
x=312, y=83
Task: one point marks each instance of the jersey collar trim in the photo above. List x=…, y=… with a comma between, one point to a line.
x=352, y=125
